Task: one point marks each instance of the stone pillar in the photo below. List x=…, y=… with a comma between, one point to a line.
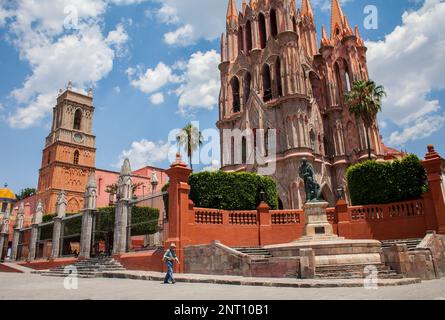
x=433, y=167
x=15, y=244
x=33, y=242
x=265, y=221
x=179, y=205
x=3, y=245
x=90, y=200
x=344, y=219
x=124, y=195
x=57, y=230
x=307, y=264
x=317, y=224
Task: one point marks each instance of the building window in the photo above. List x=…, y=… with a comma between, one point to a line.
x=77, y=119
x=273, y=23
x=278, y=78
x=76, y=157
x=244, y=150
x=247, y=85
x=236, y=103
x=262, y=29
x=267, y=87
x=49, y=158
x=240, y=40
x=248, y=36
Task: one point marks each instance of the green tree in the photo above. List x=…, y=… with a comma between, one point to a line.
x=190, y=138
x=25, y=193
x=365, y=102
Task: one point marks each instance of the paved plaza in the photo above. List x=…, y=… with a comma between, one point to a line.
x=31, y=286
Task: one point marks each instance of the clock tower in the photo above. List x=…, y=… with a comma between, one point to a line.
x=70, y=149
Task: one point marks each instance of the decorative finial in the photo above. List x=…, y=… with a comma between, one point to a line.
x=70, y=85
x=90, y=92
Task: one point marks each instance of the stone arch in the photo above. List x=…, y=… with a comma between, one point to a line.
x=236, y=102
x=273, y=23
x=262, y=30
x=77, y=124
x=73, y=206
x=240, y=40
x=267, y=83
x=248, y=36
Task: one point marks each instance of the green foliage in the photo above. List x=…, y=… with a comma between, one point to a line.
x=232, y=191
x=144, y=221
x=373, y=182
x=25, y=193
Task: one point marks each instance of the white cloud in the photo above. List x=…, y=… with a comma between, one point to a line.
x=126, y=2
x=182, y=36
x=198, y=80
x=57, y=54
x=153, y=79
x=117, y=89
x=143, y=153
x=167, y=14
x=202, y=83
x=410, y=64
x=157, y=98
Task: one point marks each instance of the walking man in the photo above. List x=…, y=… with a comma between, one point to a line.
x=170, y=257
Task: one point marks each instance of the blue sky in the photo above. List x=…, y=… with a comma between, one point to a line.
x=153, y=66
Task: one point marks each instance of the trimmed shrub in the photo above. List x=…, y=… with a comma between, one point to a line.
x=374, y=182
x=144, y=221
x=232, y=191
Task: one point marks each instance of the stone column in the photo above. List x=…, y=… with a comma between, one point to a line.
x=57, y=230
x=344, y=221
x=433, y=166
x=307, y=264
x=90, y=200
x=265, y=223
x=124, y=195
x=179, y=206
x=33, y=242
x=15, y=244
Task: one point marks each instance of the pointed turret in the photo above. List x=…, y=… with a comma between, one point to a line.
x=91, y=181
x=90, y=197
x=337, y=19
x=232, y=12
x=324, y=37
x=126, y=168
x=360, y=41
x=306, y=9
x=347, y=31
x=244, y=7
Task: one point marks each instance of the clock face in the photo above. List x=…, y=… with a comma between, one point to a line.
x=78, y=138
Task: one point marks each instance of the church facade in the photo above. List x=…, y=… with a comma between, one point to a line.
x=274, y=76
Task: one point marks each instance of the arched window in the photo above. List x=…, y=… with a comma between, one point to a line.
x=240, y=40
x=248, y=36
x=312, y=138
x=339, y=84
x=273, y=23
x=247, y=86
x=244, y=150
x=294, y=24
x=278, y=78
x=236, y=103
x=348, y=79
x=76, y=157
x=267, y=88
x=262, y=29
x=77, y=119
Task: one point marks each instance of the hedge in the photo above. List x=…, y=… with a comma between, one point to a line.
x=232, y=191
x=374, y=182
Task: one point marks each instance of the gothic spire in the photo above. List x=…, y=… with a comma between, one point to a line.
x=336, y=19
x=92, y=181
x=244, y=6
x=359, y=38
x=306, y=8
x=232, y=12
x=324, y=37
x=126, y=168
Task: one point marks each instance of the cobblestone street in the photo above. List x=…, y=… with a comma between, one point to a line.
x=28, y=286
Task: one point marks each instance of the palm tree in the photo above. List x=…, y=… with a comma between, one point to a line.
x=365, y=102
x=190, y=138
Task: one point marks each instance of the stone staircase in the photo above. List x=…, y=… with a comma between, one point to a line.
x=91, y=268
x=354, y=272
x=255, y=253
x=410, y=243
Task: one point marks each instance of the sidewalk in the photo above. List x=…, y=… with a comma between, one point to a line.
x=265, y=282
x=14, y=267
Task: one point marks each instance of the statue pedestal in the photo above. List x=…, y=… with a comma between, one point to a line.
x=317, y=224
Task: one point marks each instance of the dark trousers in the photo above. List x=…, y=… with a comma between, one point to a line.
x=169, y=275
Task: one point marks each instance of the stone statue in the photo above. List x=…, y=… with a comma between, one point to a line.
x=61, y=205
x=312, y=188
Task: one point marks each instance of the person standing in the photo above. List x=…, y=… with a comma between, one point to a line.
x=170, y=257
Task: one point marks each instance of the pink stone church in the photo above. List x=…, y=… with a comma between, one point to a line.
x=275, y=76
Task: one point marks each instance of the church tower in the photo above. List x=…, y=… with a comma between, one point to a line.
x=274, y=76
x=70, y=149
